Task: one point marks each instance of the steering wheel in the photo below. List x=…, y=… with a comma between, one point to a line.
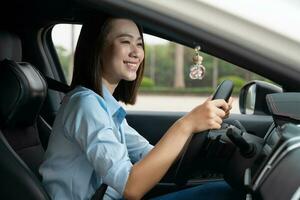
x=194, y=146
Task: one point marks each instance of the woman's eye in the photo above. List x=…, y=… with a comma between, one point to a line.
x=125, y=42
x=140, y=44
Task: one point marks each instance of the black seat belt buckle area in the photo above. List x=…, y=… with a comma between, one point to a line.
x=99, y=194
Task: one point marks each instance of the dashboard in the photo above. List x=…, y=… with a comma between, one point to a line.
x=265, y=168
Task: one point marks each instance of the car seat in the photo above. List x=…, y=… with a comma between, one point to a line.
x=23, y=90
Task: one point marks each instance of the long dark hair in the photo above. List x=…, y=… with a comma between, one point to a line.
x=87, y=61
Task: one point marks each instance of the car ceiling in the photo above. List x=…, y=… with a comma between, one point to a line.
x=44, y=13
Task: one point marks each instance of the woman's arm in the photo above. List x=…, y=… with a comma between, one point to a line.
x=148, y=171
x=138, y=147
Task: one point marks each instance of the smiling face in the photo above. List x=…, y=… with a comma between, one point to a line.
x=122, y=52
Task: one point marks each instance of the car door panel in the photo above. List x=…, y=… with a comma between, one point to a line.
x=153, y=125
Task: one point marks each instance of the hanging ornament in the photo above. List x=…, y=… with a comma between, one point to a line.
x=197, y=70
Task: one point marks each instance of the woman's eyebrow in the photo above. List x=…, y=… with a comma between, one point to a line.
x=127, y=35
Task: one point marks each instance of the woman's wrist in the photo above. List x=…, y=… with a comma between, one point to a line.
x=185, y=126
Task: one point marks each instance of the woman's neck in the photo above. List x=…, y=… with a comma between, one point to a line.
x=110, y=86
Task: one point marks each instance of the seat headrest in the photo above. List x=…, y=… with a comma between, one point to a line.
x=23, y=90
x=10, y=46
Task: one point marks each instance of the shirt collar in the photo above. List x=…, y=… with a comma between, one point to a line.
x=116, y=110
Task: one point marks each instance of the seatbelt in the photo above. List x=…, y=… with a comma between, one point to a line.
x=56, y=85
x=99, y=192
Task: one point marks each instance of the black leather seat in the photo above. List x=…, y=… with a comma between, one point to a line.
x=23, y=90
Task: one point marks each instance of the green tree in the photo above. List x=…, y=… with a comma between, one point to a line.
x=164, y=64
x=64, y=58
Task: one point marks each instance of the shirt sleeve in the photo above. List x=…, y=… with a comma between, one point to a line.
x=137, y=145
x=88, y=124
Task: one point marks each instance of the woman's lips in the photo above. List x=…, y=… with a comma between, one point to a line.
x=131, y=65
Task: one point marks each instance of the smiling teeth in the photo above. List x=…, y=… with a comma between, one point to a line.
x=131, y=64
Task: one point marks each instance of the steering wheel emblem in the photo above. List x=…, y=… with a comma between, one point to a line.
x=197, y=70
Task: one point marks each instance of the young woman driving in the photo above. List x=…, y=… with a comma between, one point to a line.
x=92, y=143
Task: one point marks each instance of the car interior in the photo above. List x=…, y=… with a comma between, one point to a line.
x=254, y=153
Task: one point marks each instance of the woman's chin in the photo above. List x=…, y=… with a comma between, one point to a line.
x=130, y=77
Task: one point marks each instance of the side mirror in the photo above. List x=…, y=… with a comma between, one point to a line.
x=252, y=98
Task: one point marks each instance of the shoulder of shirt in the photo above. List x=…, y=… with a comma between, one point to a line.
x=85, y=97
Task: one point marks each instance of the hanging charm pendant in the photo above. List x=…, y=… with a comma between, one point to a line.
x=197, y=70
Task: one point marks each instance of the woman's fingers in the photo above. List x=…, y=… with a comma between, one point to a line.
x=218, y=120
x=221, y=103
x=209, y=98
x=230, y=101
x=216, y=123
x=224, y=106
x=209, y=115
x=215, y=116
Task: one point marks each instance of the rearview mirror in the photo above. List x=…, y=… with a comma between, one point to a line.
x=253, y=97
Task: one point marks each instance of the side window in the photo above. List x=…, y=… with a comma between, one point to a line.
x=65, y=37
x=166, y=85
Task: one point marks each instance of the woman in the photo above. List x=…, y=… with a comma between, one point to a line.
x=91, y=141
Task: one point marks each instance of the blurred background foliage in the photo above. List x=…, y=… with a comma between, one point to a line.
x=160, y=71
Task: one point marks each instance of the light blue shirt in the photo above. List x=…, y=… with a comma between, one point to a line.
x=91, y=143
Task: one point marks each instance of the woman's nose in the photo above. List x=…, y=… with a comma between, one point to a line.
x=135, y=51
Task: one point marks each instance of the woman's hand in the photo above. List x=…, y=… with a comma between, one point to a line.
x=208, y=115
x=227, y=112
x=149, y=171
